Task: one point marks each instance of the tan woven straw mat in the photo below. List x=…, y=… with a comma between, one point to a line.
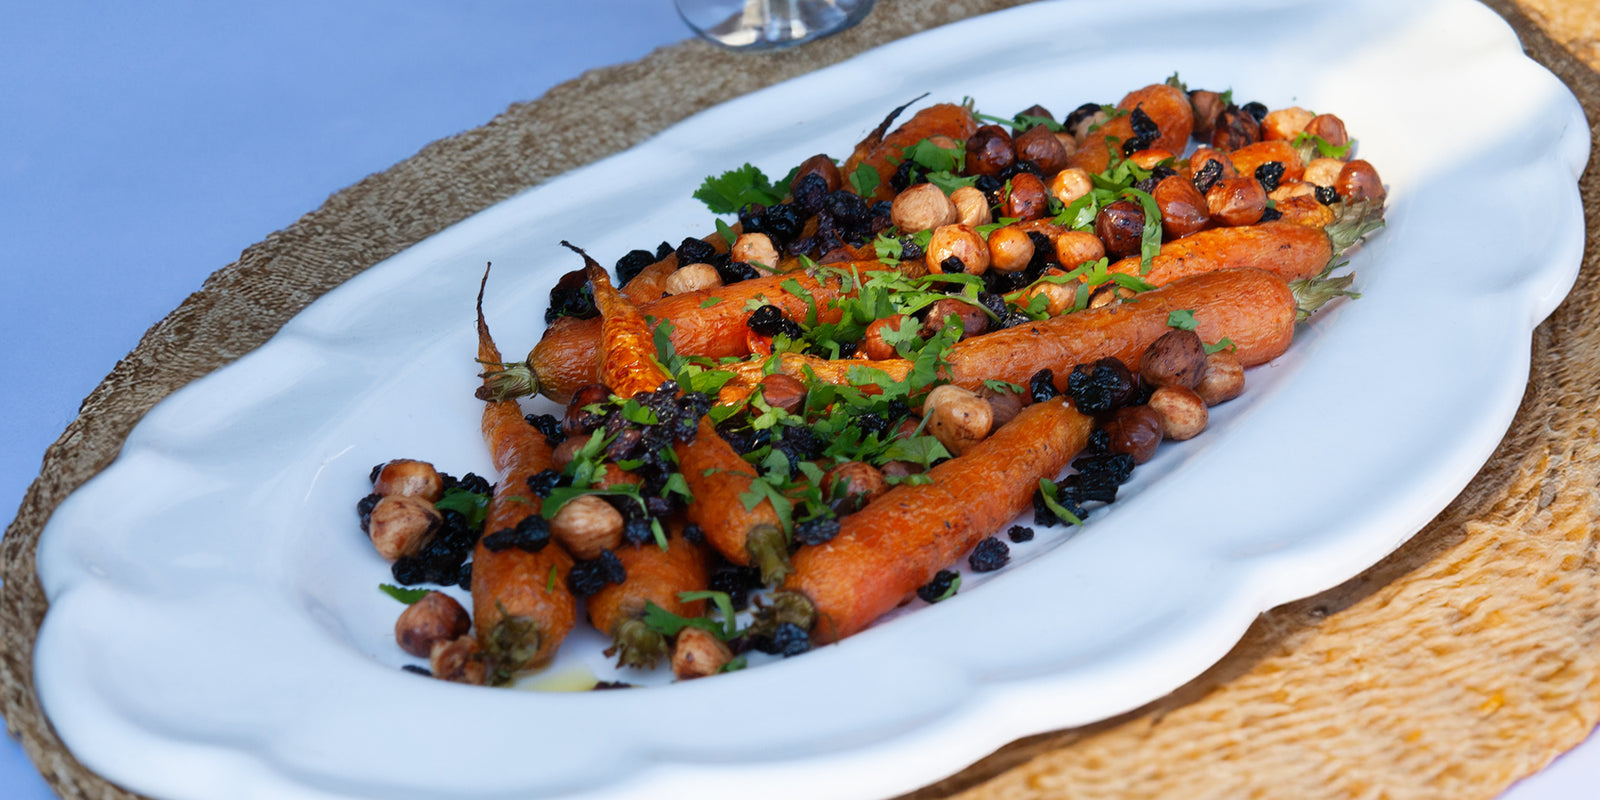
x=1462, y=662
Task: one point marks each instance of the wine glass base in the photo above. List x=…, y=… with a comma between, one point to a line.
x=769, y=24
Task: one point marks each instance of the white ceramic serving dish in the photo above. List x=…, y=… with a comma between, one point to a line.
x=215, y=630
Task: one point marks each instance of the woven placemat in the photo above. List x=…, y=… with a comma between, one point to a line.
x=1467, y=659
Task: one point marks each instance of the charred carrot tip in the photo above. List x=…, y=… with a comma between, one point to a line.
x=637, y=645
x=769, y=552
x=513, y=644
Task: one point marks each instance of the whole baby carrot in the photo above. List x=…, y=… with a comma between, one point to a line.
x=655, y=575
x=718, y=478
x=902, y=539
x=709, y=323
x=1289, y=250
x=1254, y=310
x=521, y=606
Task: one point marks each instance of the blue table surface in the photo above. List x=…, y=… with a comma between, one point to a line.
x=143, y=146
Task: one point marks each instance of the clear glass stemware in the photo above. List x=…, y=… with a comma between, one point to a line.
x=769, y=24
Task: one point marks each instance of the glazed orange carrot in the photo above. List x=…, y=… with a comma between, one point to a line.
x=1289, y=250
x=1167, y=107
x=708, y=323
x=521, y=606
x=877, y=150
x=899, y=541
x=1255, y=310
x=718, y=478
x=654, y=576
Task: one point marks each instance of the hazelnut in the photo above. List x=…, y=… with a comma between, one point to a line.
x=1042, y=147
x=1058, y=297
x=1289, y=189
x=1358, y=180
x=874, y=345
x=849, y=487
x=1323, y=171
x=1010, y=249
x=1183, y=208
x=896, y=470
x=1237, y=201
x=401, y=525
x=1207, y=105
x=755, y=248
x=1068, y=143
x=1004, y=406
x=1135, y=430
x=1176, y=358
x=822, y=165
x=577, y=420
x=1285, y=123
x=1121, y=227
x=1027, y=198
x=957, y=417
x=1235, y=128
x=587, y=526
x=458, y=661
x=1222, y=380
x=697, y=653
x=1070, y=184
x=437, y=617
x=1150, y=158
x=921, y=207
x=1108, y=294
x=692, y=278
x=973, y=319
x=962, y=243
x=990, y=150
x=409, y=477
x=1330, y=128
x=972, y=207
x=782, y=391
x=1183, y=413
x=1075, y=248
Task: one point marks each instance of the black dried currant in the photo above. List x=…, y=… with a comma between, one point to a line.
x=816, y=531
x=1327, y=195
x=990, y=555
x=1019, y=534
x=789, y=640
x=1255, y=109
x=549, y=425
x=940, y=587
x=1042, y=386
x=634, y=263
x=1270, y=175
x=1105, y=385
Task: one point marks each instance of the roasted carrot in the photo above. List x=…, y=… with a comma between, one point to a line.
x=521, y=606
x=717, y=477
x=883, y=152
x=1166, y=106
x=1255, y=310
x=1289, y=250
x=654, y=576
x=708, y=323
x=899, y=541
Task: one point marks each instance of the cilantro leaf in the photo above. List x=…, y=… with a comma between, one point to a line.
x=1049, y=492
x=865, y=180
x=737, y=188
x=1222, y=344
x=407, y=596
x=472, y=505
x=1182, y=319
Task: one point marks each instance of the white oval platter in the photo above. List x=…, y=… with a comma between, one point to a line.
x=215, y=631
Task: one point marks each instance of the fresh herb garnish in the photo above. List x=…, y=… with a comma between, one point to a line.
x=407, y=596
x=737, y=188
